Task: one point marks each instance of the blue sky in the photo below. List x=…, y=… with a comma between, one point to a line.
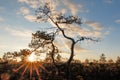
x=101, y=18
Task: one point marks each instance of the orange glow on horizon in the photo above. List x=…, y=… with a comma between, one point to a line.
x=32, y=57
x=31, y=64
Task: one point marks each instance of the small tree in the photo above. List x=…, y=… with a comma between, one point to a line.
x=44, y=40
x=102, y=58
x=110, y=61
x=8, y=56
x=45, y=13
x=87, y=61
x=23, y=53
x=118, y=60
x=58, y=58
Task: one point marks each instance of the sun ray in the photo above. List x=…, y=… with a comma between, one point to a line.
x=36, y=69
x=31, y=69
x=25, y=69
x=32, y=65
x=20, y=66
x=40, y=65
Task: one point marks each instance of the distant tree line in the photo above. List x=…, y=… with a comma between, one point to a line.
x=13, y=56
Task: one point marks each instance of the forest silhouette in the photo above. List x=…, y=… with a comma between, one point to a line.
x=101, y=69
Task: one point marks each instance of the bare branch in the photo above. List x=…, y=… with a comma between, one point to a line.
x=69, y=20
x=87, y=38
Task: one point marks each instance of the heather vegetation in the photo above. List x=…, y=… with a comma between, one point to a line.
x=94, y=70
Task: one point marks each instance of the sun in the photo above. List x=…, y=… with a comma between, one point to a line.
x=31, y=64
x=32, y=57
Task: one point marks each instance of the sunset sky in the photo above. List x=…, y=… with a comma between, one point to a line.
x=101, y=18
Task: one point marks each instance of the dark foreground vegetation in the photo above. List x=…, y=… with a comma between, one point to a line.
x=80, y=71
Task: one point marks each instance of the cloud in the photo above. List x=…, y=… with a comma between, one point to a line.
x=24, y=1
x=107, y=32
x=2, y=9
x=79, y=49
x=63, y=11
x=118, y=21
x=19, y=32
x=30, y=18
x=90, y=29
x=1, y=19
x=109, y=1
x=2, y=46
x=74, y=8
x=14, y=36
x=88, y=33
x=69, y=6
x=31, y=3
x=94, y=25
x=24, y=11
x=60, y=41
x=75, y=31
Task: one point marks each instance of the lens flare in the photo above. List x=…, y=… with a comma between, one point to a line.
x=31, y=64
x=32, y=57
